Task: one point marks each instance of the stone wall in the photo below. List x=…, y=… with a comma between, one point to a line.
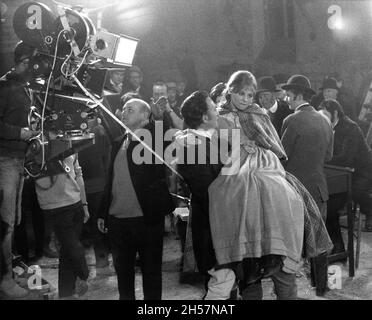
x=205, y=40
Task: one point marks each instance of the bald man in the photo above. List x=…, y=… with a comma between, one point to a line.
x=135, y=203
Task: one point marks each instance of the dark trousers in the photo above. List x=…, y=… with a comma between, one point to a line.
x=67, y=223
x=335, y=203
x=30, y=205
x=127, y=237
x=284, y=285
x=100, y=244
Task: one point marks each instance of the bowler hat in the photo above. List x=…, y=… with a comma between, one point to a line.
x=299, y=82
x=266, y=84
x=329, y=83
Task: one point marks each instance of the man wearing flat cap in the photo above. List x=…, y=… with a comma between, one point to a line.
x=307, y=138
x=277, y=109
x=330, y=90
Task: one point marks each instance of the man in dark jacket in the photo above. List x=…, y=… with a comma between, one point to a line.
x=15, y=102
x=200, y=115
x=277, y=109
x=307, y=138
x=135, y=202
x=350, y=150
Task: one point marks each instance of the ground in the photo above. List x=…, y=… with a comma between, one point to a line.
x=104, y=287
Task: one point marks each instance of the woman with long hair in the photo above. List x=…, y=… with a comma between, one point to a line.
x=256, y=215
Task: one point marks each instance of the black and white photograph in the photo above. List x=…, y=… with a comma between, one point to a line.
x=185, y=154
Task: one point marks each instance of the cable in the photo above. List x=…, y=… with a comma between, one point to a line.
x=65, y=63
x=43, y=110
x=66, y=74
x=124, y=126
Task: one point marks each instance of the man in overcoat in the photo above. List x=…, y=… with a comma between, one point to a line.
x=307, y=138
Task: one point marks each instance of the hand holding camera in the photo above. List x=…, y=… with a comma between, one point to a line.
x=159, y=107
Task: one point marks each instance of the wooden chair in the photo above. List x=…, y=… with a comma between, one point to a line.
x=339, y=181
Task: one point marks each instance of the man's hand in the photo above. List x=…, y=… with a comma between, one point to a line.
x=27, y=134
x=86, y=214
x=101, y=225
x=158, y=107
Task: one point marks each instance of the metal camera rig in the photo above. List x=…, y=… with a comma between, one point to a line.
x=67, y=84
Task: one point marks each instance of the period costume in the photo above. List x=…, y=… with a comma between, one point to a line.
x=264, y=220
x=280, y=109
x=307, y=138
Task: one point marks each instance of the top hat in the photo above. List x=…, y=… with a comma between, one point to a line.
x=329, y=83
x=299, y=82
x=267, y=84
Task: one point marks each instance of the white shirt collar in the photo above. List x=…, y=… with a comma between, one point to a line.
x=274, y=107
x=301, y=105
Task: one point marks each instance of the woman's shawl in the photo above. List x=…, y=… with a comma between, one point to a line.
x=257, y=126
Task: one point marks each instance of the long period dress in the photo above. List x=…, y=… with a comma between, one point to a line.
x=253, y=209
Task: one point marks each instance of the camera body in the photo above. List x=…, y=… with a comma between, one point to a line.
x=64, y=69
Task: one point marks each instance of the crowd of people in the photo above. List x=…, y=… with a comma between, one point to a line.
x=249, y=154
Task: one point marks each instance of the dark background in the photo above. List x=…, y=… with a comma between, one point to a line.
x=205, y=40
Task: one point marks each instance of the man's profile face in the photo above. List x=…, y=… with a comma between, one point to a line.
x=212, y=114
x=132, y=115
x=267, y=99
x=135, y=79
x=292, y=100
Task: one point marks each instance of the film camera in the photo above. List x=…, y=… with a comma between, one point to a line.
x=67, y=80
